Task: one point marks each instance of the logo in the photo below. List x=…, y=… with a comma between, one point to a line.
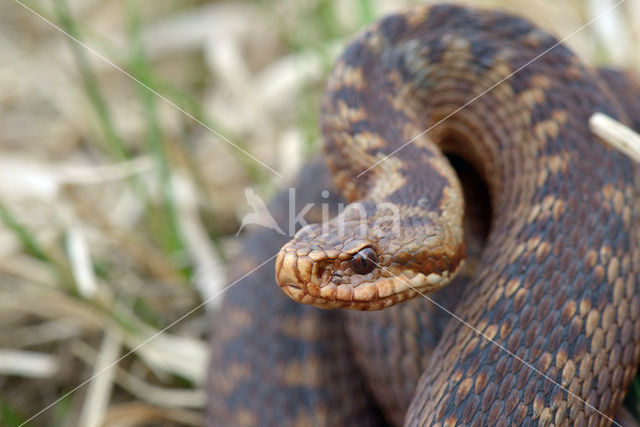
x=260, y=215
x=383, y=217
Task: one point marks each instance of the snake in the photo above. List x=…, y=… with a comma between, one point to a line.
x=528, y=316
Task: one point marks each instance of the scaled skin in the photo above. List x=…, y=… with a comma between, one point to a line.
x=557, y=284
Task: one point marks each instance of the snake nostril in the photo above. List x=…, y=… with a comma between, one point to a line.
x=364, y=261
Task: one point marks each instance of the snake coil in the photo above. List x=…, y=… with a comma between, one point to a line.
x=555, y=284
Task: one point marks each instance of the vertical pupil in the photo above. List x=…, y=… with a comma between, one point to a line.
x=363, y=260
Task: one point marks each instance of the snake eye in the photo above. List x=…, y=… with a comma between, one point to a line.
x=364, y=261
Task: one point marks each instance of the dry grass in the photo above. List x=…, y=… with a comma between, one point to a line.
x=119, y=206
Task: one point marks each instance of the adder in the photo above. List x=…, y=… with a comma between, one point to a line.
x=547, y=305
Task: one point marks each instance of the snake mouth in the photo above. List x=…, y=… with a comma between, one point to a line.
x=375, y=294
x=298, y=294
x=362, y=298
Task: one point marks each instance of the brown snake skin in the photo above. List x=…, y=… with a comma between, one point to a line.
x=555, y=283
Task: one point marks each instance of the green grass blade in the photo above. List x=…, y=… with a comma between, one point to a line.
x=156, y=142
x=90, y=81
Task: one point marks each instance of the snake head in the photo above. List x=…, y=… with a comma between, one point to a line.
x=368, y=264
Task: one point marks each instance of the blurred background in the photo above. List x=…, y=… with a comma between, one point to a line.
x=125, y=149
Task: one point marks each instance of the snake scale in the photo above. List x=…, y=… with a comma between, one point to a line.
x=545, y=264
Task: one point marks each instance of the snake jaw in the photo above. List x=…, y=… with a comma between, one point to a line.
x=368, y=296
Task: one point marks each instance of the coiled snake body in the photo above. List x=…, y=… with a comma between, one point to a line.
x=555, y=284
